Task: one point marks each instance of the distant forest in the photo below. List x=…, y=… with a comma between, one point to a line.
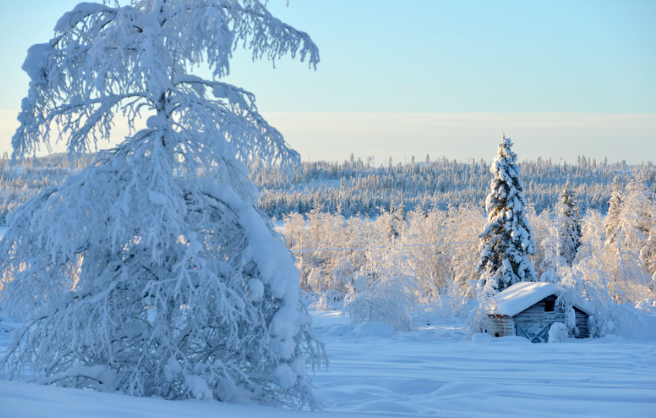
x=358, y=188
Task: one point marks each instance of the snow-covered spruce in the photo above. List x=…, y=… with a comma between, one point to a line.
x=507, y=239
x=151, y=272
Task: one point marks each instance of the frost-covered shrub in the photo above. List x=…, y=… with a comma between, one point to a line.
x=381, y=305
x=451, y=302
x=630, y=323
x=310, y=299
x=480, y=305
x=383, y=292
x=332, y=300
x=647, y=306
x=558, y=332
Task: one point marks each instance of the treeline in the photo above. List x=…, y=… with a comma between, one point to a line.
x=358, y=188
x=20, y=182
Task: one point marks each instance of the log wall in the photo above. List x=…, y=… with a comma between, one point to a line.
x=500, y=326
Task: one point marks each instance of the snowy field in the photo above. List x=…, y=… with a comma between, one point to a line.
x=435, y=371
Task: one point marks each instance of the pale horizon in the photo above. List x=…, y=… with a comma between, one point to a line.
x=333, y=136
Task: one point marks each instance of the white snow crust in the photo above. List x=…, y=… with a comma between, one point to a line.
x=434, y=371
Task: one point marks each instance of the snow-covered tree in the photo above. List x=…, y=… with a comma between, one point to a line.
x=568, y=225
x=627, y=229
x=648, y=254
x=639, y=205
x=614, y=208
x=507, y=239
x=552, y=259
x=395, y=220
x=648, y=250
x=151, y=272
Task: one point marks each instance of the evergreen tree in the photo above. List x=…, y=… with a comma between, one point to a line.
x=152, y=272
x=507, y=239
x=393, y=222
x=568, y=225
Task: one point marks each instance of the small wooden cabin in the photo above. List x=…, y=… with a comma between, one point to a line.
x=529, y=309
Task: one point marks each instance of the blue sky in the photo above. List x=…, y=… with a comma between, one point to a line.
x=563, y=78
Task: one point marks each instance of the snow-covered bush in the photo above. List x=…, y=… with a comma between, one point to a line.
x=152, y=272
x=382, y=304
x=558, y=332
x=332, y=300
x=437, y=247
x=647, y=306
x=629, y=323
x=480, y=305
x=451, y=302
x=310, y=299
x=383, y=292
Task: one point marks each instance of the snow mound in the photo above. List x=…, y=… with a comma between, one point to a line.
x=558, y=332
x=511, y=339
x=634, y=324
x=481, y=338
x=374, y=330
x=339, y=330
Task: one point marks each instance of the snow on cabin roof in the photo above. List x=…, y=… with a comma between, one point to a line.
x=523, y=295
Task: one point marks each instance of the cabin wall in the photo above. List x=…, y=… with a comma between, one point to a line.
x=537, y=315
x=500, y=326
x=536, y=318
x=582, y=323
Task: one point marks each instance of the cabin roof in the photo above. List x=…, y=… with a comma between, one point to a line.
x=521, y=296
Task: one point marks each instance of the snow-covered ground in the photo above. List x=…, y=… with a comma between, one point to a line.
x=433, y=372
